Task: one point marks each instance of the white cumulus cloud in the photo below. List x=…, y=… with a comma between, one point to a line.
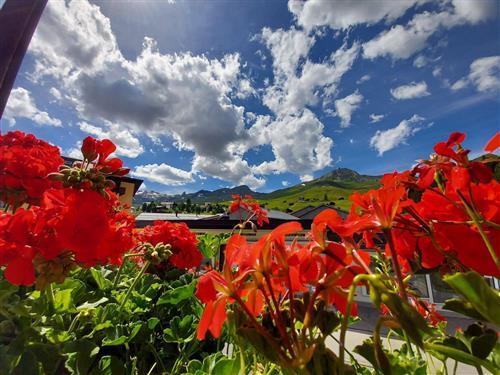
x=184, y=98
x=343, y=14
x=376, y=118
x=163, y=174
x=484, y=75
x=402, y=41
x=345, y=107
x=22, y=105
x=298, y=144
x=410, y=91
x=385, y=140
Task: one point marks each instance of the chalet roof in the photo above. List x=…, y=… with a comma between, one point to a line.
x=152, y=216
x=271, y=214
x=310, y=212
x=220, y=221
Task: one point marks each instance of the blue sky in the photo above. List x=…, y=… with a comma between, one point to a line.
x=204, y=95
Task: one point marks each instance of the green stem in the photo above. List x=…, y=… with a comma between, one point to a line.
x=152, y=368
x=309, y=312
x=408, y=343
x=345, y=320
x=73, y=323
x=119, y=273
x=395, y=263
x=157, y=356
x=132, y=286
x=461, y=356
x=279, y=317
x=284, y=358
x=49, y=293
x=349, y=353
x=122, y=266
x=477, y=221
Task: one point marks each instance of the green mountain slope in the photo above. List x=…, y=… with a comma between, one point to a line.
x=335, y=187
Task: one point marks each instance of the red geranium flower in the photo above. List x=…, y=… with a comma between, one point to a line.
x=183, y=242
x=25, y=163
x=251, y=207
x=15, y=250
x=98, y=152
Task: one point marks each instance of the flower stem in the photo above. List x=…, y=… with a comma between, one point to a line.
x=49, y=293
x=477, y=221
x=261, y=329
x=395, y=263
x=345, y=320
x=279, y=317
x=120, y=270
x=72, y=326
x=132, y=286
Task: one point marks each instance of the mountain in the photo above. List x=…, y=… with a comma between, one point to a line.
x=334, y=188
x=201, y=196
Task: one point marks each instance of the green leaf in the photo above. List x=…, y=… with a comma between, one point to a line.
x=180, y=330
x=135, y=328
x=152, y=323
x=174, y=296
x=48, y=355
x=483, y=345
x=26, y=365
x=259, y=342
x=367, y=351
x=462, y=307
x=101, y=326
x=92, y=305
x=114, y=342
x=327, y=321
x=109, y=365
x=407, y=316
x=80, y=356
x=227, y=367
x=478, y=293
x=99, y=278
x=63, y=301
x=55, y=336
x=193, y=366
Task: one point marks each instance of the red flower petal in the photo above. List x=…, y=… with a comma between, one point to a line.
x=493, y=143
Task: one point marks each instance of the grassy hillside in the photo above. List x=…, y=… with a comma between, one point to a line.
x=335, y=187
x=316, y=192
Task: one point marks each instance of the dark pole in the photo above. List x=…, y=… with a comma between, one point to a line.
x=18, y=20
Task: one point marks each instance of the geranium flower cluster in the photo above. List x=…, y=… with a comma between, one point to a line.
x=250, y=208
x=183, y=243
x=25, y=163
x=443, y=214
x=73, y=223
x=449, y=216
x=264, y=278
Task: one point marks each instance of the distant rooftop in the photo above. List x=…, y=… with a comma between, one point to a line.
x=271, y=214
x=151, y=216
x=310, y=212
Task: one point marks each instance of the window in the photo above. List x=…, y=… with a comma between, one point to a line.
x=440, y=290
x=419, y=284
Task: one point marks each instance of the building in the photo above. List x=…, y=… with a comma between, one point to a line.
x=310, y=212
